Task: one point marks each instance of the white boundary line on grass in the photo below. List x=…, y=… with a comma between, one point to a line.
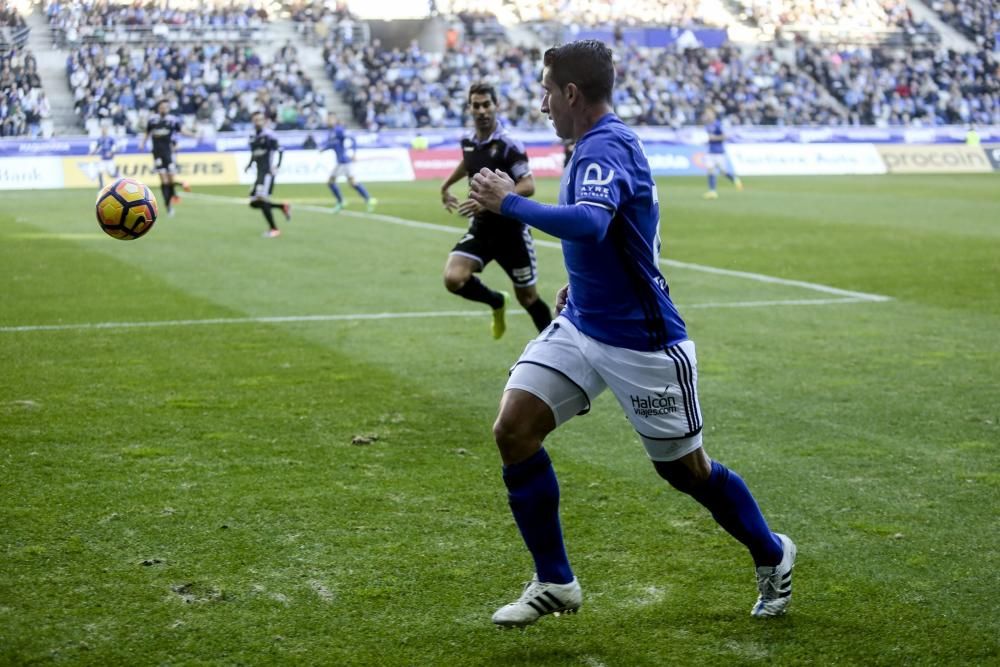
x=841, y=296
x=353, y=317
x=746, y=275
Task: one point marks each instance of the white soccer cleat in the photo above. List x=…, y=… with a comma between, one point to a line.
x=775, y=583
x=539, y=599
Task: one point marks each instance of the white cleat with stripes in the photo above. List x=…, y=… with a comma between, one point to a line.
x=775, y=583
x=540, y=599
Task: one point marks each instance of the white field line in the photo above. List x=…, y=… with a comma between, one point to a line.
x=842, y=296
x=352, y=317
x=746, y=275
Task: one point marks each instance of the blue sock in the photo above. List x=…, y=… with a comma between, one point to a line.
x=533, y=495
x=336, y=192
x=731, y=177
x=733, y=506
x=361, y=190
x=711, y=181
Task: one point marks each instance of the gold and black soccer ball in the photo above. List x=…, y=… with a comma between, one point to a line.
x=126, y=209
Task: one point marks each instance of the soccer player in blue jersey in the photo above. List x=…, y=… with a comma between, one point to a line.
x=105, y=147
x=617, y=329
x=715, y=160
x=344, y=148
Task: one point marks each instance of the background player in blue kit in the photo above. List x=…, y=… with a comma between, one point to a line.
x=617, y=328
x=715, y=160
x=344, y=148
x=105, y=148
x=266, y=154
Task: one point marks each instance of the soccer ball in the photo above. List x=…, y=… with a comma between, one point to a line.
x=126, y=209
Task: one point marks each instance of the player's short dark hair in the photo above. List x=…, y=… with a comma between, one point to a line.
x=587, y=63
x=482, y=89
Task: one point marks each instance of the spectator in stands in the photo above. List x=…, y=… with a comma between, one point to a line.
x=914, y=87
x=979, y=20
x=76, y=21
x=222, y=83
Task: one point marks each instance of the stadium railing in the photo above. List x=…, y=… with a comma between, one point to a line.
x=11, y=38
x=144, y=35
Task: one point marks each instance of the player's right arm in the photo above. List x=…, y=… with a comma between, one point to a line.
x=449, y=200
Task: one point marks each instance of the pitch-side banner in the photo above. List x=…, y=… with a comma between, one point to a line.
x=30, y=173
x=439, y=163
x=309, y=166
x=804, y=159
x=935, y=159
x=993, y=153
x=194, y=168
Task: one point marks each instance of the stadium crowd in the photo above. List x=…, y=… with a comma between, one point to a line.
x=842, y=14
x=76, y=21
x=979, y=20
x=675, y=87
x=317, y=20
x=23, y=105
x=397, y=88
x=393, y=88
x=594, y=13
x=219, y=85
x=909, y=87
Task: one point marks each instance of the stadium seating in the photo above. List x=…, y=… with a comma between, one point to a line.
x=123, y=57
x=596, y=13
x=75, y=22
x=23, y=105
x=218, y=85
x=978, y=20
x=316, y=20
x=389, y=89
x=398, y=89
x=889, y=87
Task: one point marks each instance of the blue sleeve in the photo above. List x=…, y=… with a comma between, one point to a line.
x=579, y=222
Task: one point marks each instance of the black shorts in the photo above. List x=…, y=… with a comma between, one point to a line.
x=163, y=160
x=264, y=185
x=507, y=241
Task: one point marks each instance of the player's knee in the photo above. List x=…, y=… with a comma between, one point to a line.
x=515, y=439
x=455, y=280
x=526, y=298
x=680, y=476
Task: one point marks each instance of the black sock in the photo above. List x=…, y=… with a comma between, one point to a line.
x=475, y=290
x=265, y=208
x=165, y=189
x=540, y=313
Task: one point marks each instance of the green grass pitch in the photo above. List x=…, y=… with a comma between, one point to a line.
x=178, y=482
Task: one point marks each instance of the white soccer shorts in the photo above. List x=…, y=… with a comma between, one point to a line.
x=345, y=169
x=716, y=162
x=658, y=390
x=107, y=167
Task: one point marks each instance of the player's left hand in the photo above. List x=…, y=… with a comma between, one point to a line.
x=469, y=208
x=490, y=187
